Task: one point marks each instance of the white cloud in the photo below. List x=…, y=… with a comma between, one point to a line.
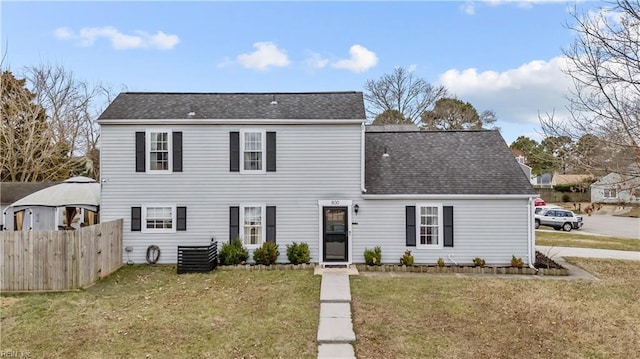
x=316, y=61
x=63, y=33
x=516, y=95
x=140, y=39
x=468, y=8
x=361, y=59
x=412, y=68
x=266, y=54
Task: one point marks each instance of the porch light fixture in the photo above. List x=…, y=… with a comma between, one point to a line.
x=356, y=208
x=386, y=153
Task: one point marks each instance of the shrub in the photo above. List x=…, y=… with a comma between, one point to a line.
x=373, y=256
x=298, y=253
x=477, y=261
x=233, y=253
x=267, y=254
x=516, y=262
x=440, y=262
x=566, y=198
x=406, y=259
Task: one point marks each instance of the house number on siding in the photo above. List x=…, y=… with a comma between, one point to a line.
x=335, y=203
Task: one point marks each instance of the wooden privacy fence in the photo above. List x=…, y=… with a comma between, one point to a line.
x=59, y=260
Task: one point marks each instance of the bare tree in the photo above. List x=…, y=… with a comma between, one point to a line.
x=72, y=108
x=28, y=151
x=604, y=65
x=402, y=91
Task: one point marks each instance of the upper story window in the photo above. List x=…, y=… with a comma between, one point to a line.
x=158, y=151
x=429, y=225
x=253, y=149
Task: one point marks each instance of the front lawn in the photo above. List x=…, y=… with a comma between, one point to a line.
x=573, y=239
x=151, y=312
x=430, y=316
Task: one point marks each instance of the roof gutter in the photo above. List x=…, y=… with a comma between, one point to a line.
x=209, y=121
x=448, y=196
x=362, y=158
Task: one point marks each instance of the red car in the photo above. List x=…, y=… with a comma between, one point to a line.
x=539, y=202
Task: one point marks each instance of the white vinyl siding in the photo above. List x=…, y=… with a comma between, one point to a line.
x=252, y=151
x=158, y=151
x=476, y=233
x=315, y=162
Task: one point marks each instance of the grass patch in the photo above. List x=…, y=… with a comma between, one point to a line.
x=427, y=316
x=149, y=311
x=570, y=239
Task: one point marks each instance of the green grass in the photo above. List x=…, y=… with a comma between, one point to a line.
x=152, y=312
x=570, y=239
x=428, y=316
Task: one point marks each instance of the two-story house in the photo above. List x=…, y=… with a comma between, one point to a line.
x=183, y=168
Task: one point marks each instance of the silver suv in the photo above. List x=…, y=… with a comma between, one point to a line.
x=558, y=218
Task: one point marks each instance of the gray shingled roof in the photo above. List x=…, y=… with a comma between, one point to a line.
x=13, y=191
x=442, y=162
x=318, y=105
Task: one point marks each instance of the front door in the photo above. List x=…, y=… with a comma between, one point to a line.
x=335, y=234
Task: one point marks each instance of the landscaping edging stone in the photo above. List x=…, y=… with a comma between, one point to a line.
x=252, y=267
x=462, y=269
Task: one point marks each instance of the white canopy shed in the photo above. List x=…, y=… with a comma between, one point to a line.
x=67, y=205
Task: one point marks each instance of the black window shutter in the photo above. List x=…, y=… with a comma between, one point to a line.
x=140, y=152
x=234, y=151
x=448, y=225
x=177, y=152
x=234, y=222
x=136, y=219
x=411, y=226
x=271, y=224
x=181, y=216
x=271, y=151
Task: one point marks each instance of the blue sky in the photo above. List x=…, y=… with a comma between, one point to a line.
x=497, y=54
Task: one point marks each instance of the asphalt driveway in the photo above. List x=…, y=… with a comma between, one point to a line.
x=607, y=225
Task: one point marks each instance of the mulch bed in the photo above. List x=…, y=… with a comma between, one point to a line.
x=545, y=262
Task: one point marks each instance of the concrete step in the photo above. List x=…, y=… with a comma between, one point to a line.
x=336, y=351
x=334, y=288
x=335, y=331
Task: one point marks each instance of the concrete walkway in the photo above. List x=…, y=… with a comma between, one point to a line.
x=552, y=252
x=335, y=332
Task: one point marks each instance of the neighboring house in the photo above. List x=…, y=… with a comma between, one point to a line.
x=522, y=161
x=185, y=168
x=544, y=180
x=618, y=188
x=13, y=191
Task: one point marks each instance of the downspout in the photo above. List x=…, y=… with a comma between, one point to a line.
x=531, y=235
x=362, y=157
x=4, y=220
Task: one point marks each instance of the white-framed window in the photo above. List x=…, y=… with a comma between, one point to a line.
x=253, y=151
x=429, y=225
x=159, y=151
x=252, y=220
x=158, y=218
x=610, y=193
